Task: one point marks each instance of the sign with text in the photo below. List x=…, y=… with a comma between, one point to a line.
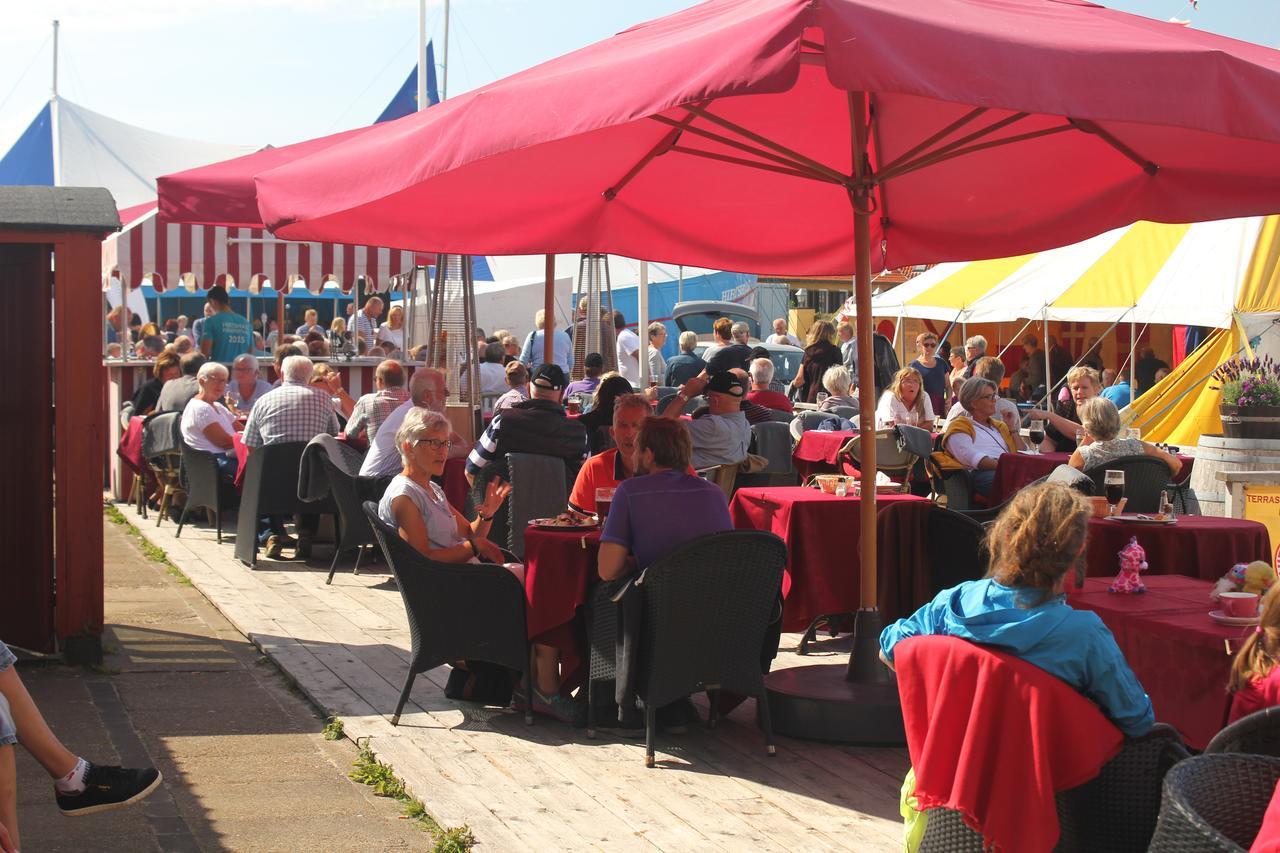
x=1262, y=504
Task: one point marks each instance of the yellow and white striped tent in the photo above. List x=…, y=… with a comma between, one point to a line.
x=1223, y=274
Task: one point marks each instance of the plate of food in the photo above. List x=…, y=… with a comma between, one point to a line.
x=1221, y=617
x=567, y=520
x=1143, y=518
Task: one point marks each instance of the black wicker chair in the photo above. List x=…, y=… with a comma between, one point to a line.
x=345, y=487
x=1214, y=802
x=539, y=489
x=983, y=515
x=1256, y=734
x=459, y=611
x=270, y=488
x=205, y=488
x=703, y=613
x=1145, y=477
x=956, y=550
x=1115, y=812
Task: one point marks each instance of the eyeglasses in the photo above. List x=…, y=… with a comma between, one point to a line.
x=434, y=443
x=986, y=396
x=928, y=345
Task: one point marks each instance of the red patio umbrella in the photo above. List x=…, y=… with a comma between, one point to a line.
x=819, y=137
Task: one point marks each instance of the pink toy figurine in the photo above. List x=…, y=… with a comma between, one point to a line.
x=1133, y=560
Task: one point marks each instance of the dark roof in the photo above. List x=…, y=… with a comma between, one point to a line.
x=58, y=209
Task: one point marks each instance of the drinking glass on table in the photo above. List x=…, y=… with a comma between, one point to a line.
x=604, y=498
x=1113, y=486
x=1134, y=433
x=1035, y=434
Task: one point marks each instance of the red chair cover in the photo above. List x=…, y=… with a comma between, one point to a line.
x=994, y=737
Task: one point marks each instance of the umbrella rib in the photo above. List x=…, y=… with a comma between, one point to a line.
x=1105, y=135
x=911, y=165
x=822, y=173
x=790, y=154
x=664, y=145
x=753, y=164
x=937, y=137
x=942, y=156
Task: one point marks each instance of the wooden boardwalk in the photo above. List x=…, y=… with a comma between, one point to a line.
x=544, y=786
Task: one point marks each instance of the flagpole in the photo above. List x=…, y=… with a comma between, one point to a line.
x=444, y=88
x=422, y=55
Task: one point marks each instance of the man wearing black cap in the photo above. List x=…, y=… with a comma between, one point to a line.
x=538, y=425
x=226, y=334
x=722, y=436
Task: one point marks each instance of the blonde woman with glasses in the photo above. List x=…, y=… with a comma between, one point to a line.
x=417, y=506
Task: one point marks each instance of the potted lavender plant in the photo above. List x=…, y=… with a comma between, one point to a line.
x=1250, y=404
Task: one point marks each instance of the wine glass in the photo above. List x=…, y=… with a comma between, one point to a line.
x=1036, y=435
x=1113, y=485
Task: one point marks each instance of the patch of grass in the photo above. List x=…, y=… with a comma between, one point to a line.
x=372, y=772
x=150, y=551
x=333, y=729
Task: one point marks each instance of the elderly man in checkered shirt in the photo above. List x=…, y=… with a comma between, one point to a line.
x=372, y=409
x=296, y=411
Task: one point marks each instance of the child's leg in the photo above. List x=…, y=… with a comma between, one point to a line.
x=8, y=796
x=33, y=731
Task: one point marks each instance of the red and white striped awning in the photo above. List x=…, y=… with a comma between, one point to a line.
x=169, y=256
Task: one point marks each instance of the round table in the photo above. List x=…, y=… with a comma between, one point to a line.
x=1015, y=470
x=816, y=452
x=822, y=533
x=1198, y=546
x=560, y=571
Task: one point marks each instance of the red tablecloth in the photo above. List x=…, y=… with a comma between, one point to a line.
x=822, y=534
x=1015, y=470
x=1268, y=837
x=242, y=456
x=1198, y=546
x=1173, y=647
x=455, y=483
x=816, y=452
x=560, y=570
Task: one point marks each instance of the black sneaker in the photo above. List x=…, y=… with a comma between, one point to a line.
x=107, y=788
x=674, y=719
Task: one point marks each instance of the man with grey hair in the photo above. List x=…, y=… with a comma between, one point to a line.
x=372, y=409
x=761, y=394
x=974, y=349
x=657, y=364
x=683, y=367
x=427, y=390
x=296, y=411
x=782, y=336
x=246, y=386
x=176, y=393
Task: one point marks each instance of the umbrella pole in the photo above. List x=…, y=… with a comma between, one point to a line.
x=549, y=309
x=860, y=704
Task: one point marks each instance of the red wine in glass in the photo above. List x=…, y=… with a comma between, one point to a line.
x=1036, y=434
x=1115, y=491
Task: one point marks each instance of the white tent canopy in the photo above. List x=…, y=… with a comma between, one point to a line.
x=1144, y=273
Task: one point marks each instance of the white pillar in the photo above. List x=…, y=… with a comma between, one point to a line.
x=642, y=323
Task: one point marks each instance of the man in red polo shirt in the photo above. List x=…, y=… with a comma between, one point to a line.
x=605, y=470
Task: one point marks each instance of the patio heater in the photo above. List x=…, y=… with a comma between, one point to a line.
x=595, y=334
x=451, y=345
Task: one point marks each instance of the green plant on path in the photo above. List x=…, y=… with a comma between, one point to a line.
x=333, y=729
x=372, y=772
x=150, y=551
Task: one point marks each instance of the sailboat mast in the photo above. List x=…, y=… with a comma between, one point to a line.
x=55, y=58
x=444, y=89
x=422, y=55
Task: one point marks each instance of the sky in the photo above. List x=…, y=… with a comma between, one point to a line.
x=254, y=72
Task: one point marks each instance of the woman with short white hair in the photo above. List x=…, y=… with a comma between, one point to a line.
x=838, y=380
x=1102, y=443
x=417, y=506
x=207, y=424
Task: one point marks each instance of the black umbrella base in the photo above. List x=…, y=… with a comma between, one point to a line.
x=817, y=703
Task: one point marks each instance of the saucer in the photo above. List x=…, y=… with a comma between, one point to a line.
x=1221, y=617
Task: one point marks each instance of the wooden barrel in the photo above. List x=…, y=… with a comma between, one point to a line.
x=1216, y=453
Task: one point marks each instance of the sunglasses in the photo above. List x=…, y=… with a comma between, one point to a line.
x=929, y=345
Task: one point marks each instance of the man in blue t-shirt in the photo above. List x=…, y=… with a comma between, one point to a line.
x=226, y=334
x=662, y=507
x=1119, y=392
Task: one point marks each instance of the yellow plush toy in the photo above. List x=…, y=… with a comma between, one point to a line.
x=1258, y=577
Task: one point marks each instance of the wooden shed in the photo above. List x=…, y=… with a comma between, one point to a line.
x=52, y=418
